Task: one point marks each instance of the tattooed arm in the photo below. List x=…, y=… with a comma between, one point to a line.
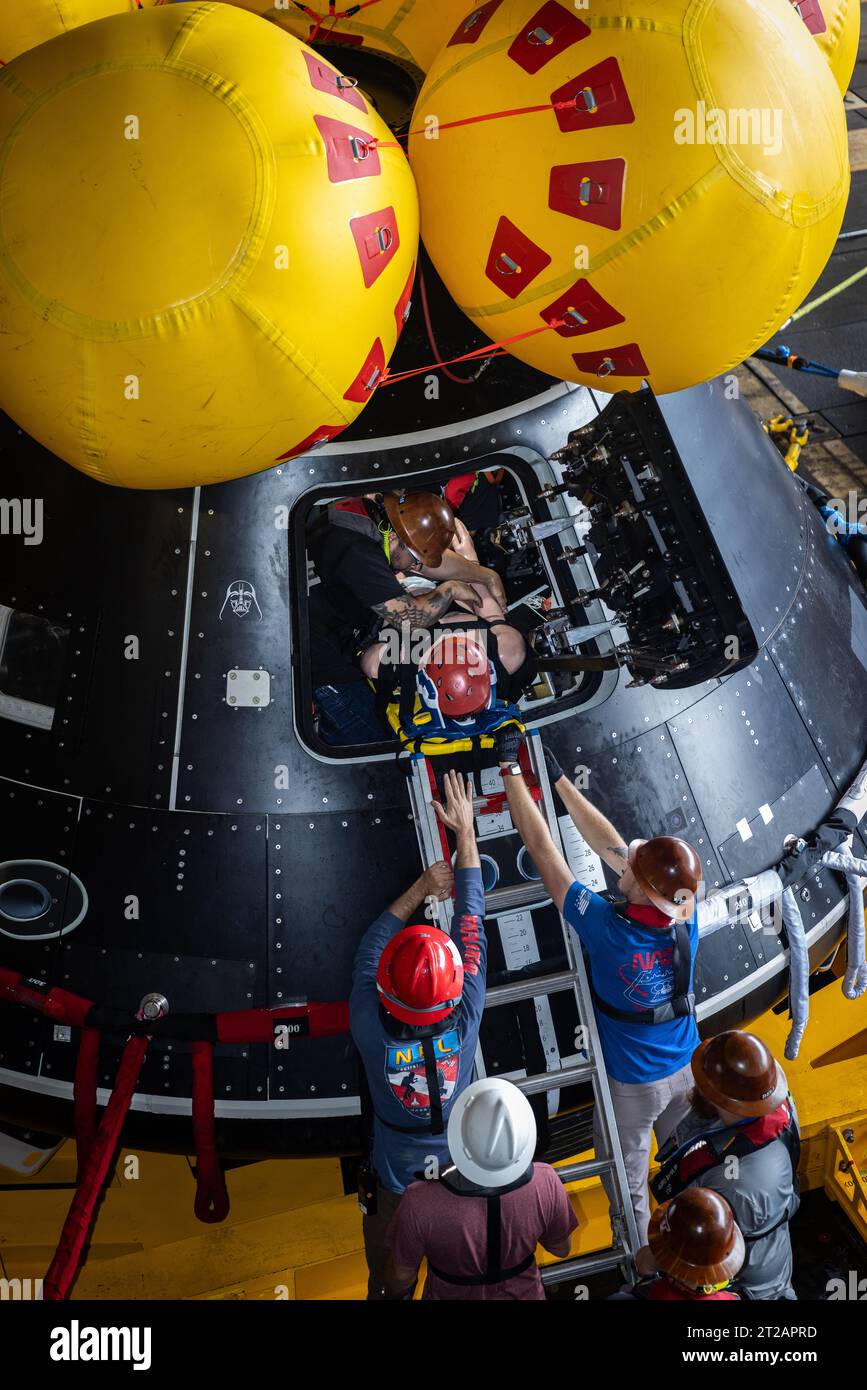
x=425, y=610
x=596, y=830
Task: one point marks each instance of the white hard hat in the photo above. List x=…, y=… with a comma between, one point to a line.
x=492, y=1132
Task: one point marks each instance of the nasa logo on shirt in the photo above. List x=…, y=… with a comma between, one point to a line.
x=405, y=1071
x=651, y=978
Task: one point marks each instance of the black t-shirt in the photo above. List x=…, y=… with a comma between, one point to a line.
x=332, y=643
x=355, y=575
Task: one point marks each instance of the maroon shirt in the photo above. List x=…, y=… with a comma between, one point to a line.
x=452, y=1232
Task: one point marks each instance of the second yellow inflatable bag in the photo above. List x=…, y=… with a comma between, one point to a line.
x=669, y=191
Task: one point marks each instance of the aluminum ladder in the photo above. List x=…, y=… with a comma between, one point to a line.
x=609, y=1164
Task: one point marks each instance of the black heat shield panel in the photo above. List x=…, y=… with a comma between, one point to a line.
x=725, y=959
x=251, y=756
x=116, y=560
x=41, y=825
x=791, y=812
x=821, y=652
x=643, y=788
x=330, y=874
x=756, y=510
x=742, y=747
x=200, y=884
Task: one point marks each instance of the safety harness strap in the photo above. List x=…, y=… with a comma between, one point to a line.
x=718, y=1145
x=212, y=1198
x=435, y=1124
x=69, y=1254
x=84, y=1094
x=682, y=1001
x=493, y=1273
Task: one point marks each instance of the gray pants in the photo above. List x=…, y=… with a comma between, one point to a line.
x=637, y=1107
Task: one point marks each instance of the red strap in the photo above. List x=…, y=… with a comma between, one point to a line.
x=56, y=1004
x=84, y=1093
x=257, y=1025
x=496, y=349
x=212, y=1198
x=68, y=1256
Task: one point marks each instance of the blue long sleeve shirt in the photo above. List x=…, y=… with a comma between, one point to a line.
x=395, y=1066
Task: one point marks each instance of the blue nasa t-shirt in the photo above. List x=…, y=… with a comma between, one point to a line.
x=395, y=1068
x=632, y=969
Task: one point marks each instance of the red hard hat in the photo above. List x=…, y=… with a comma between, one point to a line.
x=460, y=671
x=420, y=975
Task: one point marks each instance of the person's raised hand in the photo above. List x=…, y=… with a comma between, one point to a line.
x=457, y=812
x=438, y=881
x=555, y=771
x=507, y=742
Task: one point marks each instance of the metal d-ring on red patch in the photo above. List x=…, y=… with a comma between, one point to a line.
x=470, y=30
x=350, y=153
x=369, y=377
x=592, y=191
x=327, y=79
x=514, y=260
x=377, y=239
x=550, y=32
x=596, y=97
x=583, y=310
x=625, y=360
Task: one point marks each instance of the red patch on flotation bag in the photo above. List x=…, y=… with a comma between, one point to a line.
x=369, y=376
x=377, y=239
x=549, y=33
x=583, y=309
x=318, y=436
x=514, y=260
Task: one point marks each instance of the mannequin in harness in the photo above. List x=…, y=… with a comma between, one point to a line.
x=392, y=567
x=740, y=1110
x=478, y=1224
x=641, y=954
x=451, y=699
x=414, y=1011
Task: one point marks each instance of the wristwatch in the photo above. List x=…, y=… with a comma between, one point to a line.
x=513, y=770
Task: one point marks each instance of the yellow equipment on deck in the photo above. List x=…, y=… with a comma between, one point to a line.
x=293, y=1234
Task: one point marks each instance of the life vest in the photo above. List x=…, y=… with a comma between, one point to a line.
x=682, y=1001
x=407, y=701
x=493, y=1273
x=358, y=514
x=681, y=1164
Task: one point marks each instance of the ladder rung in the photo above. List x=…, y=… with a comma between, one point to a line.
x=530, y=987
x=520, y=895
x=584, y=1265
x=553, y=1080
x=591, y=1168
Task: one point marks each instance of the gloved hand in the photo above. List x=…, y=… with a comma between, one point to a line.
x=555, y=771
x=507, y=742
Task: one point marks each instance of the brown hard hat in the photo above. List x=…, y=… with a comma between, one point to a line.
x=694, y=1239
x=668, y=872
x=423, y=521
x=738, y=1073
